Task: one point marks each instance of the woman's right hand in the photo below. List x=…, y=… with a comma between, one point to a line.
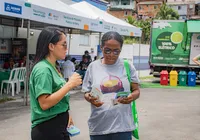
x=93, y=100
x=75, y=80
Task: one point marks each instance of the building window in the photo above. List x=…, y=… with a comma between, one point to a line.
x=114, y=3
x=140, y=7
x=133, y=13
x=147, y=5
x=126, y=13
x=155, y=7
x=191, y=6
x=125, y=2
x=179, y=7
x=84, y=40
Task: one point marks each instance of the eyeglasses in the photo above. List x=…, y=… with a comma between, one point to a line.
x=108, y=51
x=64, y=45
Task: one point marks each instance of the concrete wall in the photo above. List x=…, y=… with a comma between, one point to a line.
x=7, y=32
x=22, y=33
x=121, y=14
x=134, y=51
x=76, y=48
x=182, y=11
x=129, y=4
x=149, y=10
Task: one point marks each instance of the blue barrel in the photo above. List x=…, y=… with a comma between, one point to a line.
x=191, y=78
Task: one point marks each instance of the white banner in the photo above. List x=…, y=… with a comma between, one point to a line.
x=195, y=47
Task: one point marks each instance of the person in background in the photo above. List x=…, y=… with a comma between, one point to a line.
x=73, y=60
x=9, y=64
x=87, y=56
x=92, y=54
x=95, y=58
x=6, y=64
x=22, y=62
x=68, y=68
x=108, y=121
x=76, y=64
x=83, y=66
x=196, y=59
x=49, y=92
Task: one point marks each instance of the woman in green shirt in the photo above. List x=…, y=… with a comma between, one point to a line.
x=48, y=90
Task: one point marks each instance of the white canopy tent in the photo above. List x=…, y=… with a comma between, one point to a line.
x=44, y=11
x=58, y=13
x=110, y=23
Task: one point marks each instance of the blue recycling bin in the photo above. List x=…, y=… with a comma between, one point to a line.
x=191, y=78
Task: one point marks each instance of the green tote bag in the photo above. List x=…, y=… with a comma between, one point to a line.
x=135, y=132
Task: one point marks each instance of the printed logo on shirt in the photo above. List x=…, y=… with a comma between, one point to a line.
x=111, y=84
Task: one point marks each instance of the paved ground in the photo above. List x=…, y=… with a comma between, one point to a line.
x=165, y=114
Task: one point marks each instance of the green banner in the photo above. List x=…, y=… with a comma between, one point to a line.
x=168, y=44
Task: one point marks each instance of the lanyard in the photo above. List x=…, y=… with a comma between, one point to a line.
x=60, y=75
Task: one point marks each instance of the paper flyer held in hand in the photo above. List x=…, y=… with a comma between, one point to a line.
x=106, y=98
x=97, y=93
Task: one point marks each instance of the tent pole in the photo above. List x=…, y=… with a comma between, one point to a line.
x=70, y=35
x=99, y=38
x=26, y=91
x=139, y=57
x=98, y=53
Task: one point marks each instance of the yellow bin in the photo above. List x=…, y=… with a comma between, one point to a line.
x=173, y=78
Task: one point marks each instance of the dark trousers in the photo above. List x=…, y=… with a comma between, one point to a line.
x=53, y=129
x=115, y=136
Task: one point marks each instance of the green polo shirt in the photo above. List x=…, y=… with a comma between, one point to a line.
x=45, y=79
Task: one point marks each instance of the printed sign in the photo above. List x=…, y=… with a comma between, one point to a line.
x=12, y=8
x=169, y=43
x=195, y=47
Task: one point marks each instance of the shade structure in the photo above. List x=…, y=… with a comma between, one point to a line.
x=48, y=11
x=109, y=22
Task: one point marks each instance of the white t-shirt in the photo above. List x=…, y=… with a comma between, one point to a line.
x=109, y=119
x=68, y=68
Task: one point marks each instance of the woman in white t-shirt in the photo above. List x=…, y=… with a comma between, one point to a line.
x=107, y=77
x=68, y=68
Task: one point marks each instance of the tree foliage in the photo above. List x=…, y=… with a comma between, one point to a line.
x=167, y=13
x=145, y=25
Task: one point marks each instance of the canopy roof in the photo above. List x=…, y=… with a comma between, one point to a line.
x=193, y=26
x=109, y=22
x=48, y=11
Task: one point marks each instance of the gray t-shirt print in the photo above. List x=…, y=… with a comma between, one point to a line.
x=109, y=78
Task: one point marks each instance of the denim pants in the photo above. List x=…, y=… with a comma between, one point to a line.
x=114, y=136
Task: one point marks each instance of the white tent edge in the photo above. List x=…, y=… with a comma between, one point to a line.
x=109, y=22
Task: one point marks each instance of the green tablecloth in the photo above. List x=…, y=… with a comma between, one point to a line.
x=4, y=76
